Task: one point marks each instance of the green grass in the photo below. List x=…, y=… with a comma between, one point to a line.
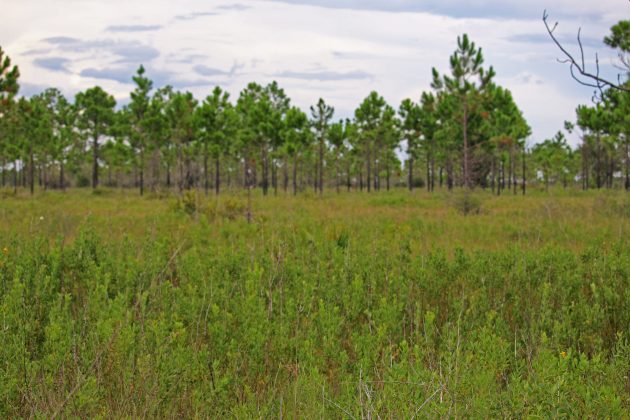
x=357, y=305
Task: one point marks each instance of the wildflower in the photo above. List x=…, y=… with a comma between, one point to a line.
x=563, y=354
x=5, y=250
x=41, y=217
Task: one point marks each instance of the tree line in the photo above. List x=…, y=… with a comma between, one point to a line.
x=467, y=132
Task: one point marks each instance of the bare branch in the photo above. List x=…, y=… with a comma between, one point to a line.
x=597, y=81
x=581, y=48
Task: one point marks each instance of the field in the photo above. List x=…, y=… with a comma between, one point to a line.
x=388, y=305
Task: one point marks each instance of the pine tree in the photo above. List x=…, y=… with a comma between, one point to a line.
x=467, y=79
x=96, y=114
x=321, y=114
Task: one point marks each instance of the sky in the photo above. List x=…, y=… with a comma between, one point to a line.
x=339, y=50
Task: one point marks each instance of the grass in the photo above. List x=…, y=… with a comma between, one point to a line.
x=572, y=220
x=353, y=305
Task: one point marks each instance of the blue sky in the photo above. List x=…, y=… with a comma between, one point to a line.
x=336, y=49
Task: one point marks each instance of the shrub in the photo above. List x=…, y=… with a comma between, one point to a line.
x=233, y=208
x=100, y=191
x=188, y=202
x=466, y=203
x=7, y=193
x=83, y=181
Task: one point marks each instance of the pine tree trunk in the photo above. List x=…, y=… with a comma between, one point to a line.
x=500, y=177
x=465, y=132
x=626, y=162
x=584, y=168
x=248, y=184
x=168, y=175
x=338, y=182
x=206, y=181
x=369, y=168
x=513, y=169
x=95, y=161
x=295, y=167
x=217, y=176
x=15, y=177
x=180, y=164
x=428, y=173
x=141, y=172
x=524, y=171
x=285, y=170
x=348, y=180
x=274, y=177
x=546, y=181
x=62, y=184
x=31, y=168
x=410, y=176
x=361, y=179
x=265, y=174
x=493, y=175
x=432, y=172
x=598, y=163
x=321, y=166
x=315, y=177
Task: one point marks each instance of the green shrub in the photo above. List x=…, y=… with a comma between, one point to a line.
x=83, y=181
x=467, y=203
x=188, y=202
x=7, y=193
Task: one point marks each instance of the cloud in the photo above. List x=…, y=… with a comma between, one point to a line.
x=160, y=78
x=133, y=28
x=37, y=51
x=234, y=7
x=471, y=8
x=185, y=59
x=126, y=51
x=324, y=76
x=53, y=63
x=61, y=40
x=117, y=74
x=31, y=89
x=195, y=15
x=353, y=55
x=134, y=52
x=526, y=78
x=543, y=38
x=209, y=71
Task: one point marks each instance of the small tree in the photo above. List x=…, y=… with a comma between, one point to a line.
x=216, y=121
x=468, y=77
x=96, y=115
x=139, y=119
x=322, y=114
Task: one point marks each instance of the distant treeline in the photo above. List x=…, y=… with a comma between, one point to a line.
x=466, y=132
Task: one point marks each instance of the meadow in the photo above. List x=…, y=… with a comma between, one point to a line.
x=387, y=305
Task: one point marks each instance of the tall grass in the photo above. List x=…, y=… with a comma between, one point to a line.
x=389, y=305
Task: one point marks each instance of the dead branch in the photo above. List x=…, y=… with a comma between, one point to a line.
x=578, y=69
